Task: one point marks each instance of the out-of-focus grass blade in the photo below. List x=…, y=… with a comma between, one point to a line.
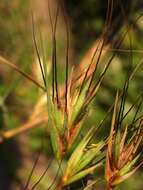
x=77, y=154
x=110, y=144
x=52, y=127
x=121, y=145
x=82, y=174
x=117, y=145
x=77, y=116
x=128, y=166
x=55, y=139
x=109, y=155
x=124, y=177
x=16, y=68
x=89, y=155
x=90, y=186
x=78, y=102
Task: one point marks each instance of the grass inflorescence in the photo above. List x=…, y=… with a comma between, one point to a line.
x=80, y=154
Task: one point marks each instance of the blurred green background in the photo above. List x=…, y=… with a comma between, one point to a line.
x=18, y=96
